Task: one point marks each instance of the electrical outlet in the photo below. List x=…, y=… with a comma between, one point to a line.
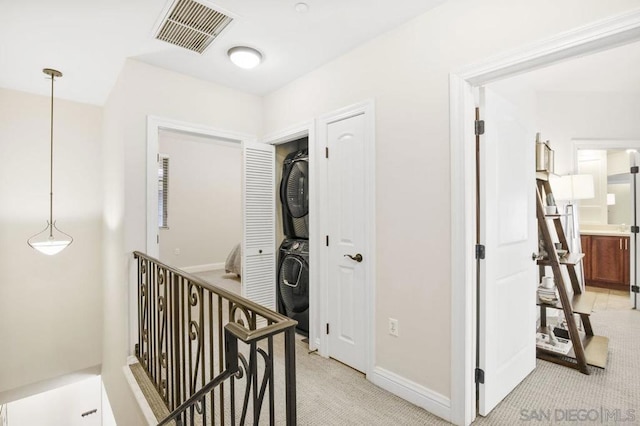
x=176, y=252
x=393, y=327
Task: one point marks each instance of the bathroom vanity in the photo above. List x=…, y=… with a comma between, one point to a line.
x=606, y=262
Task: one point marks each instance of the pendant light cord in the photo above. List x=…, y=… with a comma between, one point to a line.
x=51, y=166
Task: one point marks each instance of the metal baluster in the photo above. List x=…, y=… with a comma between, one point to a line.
x=212, y=394
x=164, y=353
x=253, y=364
x=176, y=340
x=170, y=343
x=152, y=322
x=184, y=339
x=290, y=375
x=140, y=314
x=272, y=413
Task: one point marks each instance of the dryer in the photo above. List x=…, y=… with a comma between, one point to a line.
x=293, y=282
x=294, y=194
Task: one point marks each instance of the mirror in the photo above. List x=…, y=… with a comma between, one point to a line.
x=612, y=183
x=619, y=199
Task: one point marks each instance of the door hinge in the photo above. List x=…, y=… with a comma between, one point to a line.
x=326, y=152
x=157, y=158
x=480, y=251
x=157, y=239
x=479, y=375
x=479, y=124
x=635, y=289
x=136, y=350
x=635, y=229
x=327, y=328
x=327, y=241
x=634, y=170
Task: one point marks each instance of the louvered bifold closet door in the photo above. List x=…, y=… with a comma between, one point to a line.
x=259, y=210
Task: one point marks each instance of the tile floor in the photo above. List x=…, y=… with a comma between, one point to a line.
x=610, y=300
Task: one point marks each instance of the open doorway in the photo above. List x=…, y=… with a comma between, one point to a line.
x=201, y=209
x=607, y=221
x=464, y=196
x=584, y=108
x=200, y=206
x=544, y=100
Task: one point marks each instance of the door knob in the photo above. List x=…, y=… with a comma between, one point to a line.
x=534, y=256
x=357, y=257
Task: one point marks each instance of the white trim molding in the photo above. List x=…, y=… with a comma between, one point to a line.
x=415, y=393
x=154, y=125
x=292, y=133
x=591, y=38
x=601, y=35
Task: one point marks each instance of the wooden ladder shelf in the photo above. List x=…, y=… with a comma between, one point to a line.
x=587, y=349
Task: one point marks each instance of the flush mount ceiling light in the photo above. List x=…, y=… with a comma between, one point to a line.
x=50, y=240
x=245, y=57
x=301, y=7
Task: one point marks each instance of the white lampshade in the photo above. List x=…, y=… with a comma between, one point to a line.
x=50, y=240
x=611, y=199
x=573, y=187
x=51, y=247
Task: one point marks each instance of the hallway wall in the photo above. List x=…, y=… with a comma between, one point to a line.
x=50, y=306
x=143, y=90
x=406, y=72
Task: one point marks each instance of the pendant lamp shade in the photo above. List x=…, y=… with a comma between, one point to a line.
x=50, y=240
x=573, y=187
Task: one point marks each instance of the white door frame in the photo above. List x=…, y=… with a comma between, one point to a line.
x=298, y=131
x=588, y=39
x=605, y=144
x=318, y=188
x=154, y=125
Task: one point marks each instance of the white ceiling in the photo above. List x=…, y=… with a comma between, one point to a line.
x=88, y=40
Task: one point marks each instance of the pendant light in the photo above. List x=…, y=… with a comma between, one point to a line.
x=50, y=240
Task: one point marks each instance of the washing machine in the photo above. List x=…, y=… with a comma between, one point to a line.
x=293, y=282
x=294, y=194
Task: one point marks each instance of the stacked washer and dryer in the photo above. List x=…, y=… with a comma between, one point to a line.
x=293, y=258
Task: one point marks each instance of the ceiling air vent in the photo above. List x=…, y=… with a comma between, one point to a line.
x=192, y=25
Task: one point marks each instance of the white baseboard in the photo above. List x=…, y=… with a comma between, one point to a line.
x=147, y=412
x=203, y=268
x=419, y=395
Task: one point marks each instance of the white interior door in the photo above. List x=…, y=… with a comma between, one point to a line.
x=508, y=229
x=259, y=230
x=346, y=140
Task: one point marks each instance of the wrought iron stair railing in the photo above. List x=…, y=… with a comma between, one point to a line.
x=211, y=354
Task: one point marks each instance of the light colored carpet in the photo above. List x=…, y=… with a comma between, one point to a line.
x=219, y=278
x=330, y=393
